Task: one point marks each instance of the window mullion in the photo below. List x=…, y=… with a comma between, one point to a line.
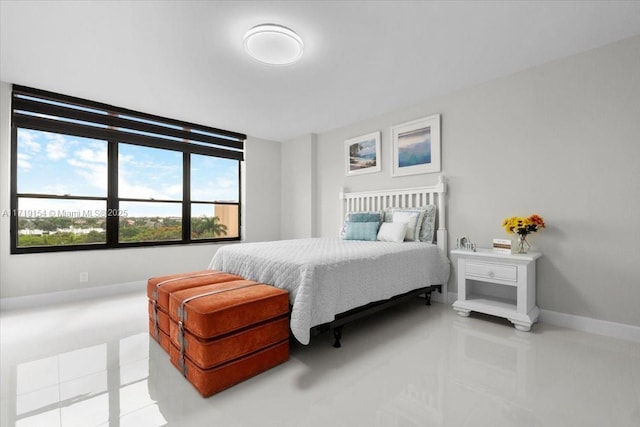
x=186, y=197
x=113, y=204
x=14, y=189
x=239, y=200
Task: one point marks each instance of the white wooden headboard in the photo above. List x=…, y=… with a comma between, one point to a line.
x=402, y=198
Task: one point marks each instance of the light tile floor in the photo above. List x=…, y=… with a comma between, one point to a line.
x=92, y=363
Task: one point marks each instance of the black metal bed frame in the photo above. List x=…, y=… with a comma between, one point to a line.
x=366, y=310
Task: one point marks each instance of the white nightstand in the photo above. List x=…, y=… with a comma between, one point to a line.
x=500, y=284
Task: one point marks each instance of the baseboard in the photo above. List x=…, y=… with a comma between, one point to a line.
x=15, y=303
x=594, y=326
x=585, y=324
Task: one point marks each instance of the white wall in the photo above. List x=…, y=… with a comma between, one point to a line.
x=262, y=190
x=298, y=187
x=561, y=140
x=30, y=274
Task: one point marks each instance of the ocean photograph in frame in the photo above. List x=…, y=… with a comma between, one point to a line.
x=416, y=146
x=362, y=154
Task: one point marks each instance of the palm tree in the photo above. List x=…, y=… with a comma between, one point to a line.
x=210, y=227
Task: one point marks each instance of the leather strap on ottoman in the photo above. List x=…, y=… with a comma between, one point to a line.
x=182, y=316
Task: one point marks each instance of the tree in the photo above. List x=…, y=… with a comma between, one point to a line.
x=209, y=227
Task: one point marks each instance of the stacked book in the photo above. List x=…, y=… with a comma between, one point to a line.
x=502, y=245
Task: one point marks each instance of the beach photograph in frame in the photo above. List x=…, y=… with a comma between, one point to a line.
x=416, y=146
x=362, y=154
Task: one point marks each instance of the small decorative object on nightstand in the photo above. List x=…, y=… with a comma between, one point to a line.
x=465, y=244
x=498, y=284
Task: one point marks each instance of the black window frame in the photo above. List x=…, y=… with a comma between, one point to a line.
x=41, y=110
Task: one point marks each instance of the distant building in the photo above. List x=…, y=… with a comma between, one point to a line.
x=37, y=232
x=228, y=215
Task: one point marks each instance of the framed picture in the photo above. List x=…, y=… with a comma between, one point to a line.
x=416, y=146
x=362, y=154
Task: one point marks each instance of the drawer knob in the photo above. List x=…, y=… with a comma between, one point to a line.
x=491, y=273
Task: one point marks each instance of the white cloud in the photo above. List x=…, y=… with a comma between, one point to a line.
x=95, y=174
x=221, y=188
x=139, y=191
x=95, y=156
x=91, y=164
x=149, y=179
x=124, y=159
x=27, y=149
x=27, y=143
x=174, y=190
x=57, y=146
x=23, y=162
x=225, y=183
x=142, y=191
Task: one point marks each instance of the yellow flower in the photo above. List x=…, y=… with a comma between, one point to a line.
x=523, y=225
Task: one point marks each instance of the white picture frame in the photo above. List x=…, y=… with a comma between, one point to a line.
x=362, y=154
x=415, y=146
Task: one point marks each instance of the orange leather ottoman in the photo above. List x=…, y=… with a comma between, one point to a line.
x=219, y=378
x=225, y=333
x=159, y=288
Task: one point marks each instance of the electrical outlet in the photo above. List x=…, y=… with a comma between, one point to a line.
x=84, y=276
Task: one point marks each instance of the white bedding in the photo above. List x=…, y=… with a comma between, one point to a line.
x=328, y=276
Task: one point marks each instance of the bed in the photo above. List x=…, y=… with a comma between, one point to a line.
x=332, y=281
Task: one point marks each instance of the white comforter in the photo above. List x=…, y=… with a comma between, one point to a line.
x=328, y=276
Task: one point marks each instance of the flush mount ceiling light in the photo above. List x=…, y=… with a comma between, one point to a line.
x=273, y=44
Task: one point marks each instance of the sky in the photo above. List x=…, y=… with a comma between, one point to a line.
x=61, y=164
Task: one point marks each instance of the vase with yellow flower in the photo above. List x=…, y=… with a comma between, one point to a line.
x=522, y=227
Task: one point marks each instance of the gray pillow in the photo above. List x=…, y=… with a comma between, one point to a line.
x=427, y=230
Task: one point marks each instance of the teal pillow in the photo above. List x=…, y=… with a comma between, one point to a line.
x=363, y=217
x=361, y=230
x=372, y=216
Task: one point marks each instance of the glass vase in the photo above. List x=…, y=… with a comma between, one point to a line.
x=522, y=246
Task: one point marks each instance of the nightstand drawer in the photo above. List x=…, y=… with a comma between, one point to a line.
x=492, y=271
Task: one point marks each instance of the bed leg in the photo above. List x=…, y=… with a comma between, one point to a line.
x=337, y=334
x=427, y=297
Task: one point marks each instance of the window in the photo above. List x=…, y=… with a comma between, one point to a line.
x=87, y=175
x=213, y=211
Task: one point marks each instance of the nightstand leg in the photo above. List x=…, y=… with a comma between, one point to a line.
x=521, y=326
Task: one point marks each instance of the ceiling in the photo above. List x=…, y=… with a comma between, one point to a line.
x=184, y=59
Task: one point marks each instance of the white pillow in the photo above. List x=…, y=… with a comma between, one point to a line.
x=413, y=219
x=392, y=231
